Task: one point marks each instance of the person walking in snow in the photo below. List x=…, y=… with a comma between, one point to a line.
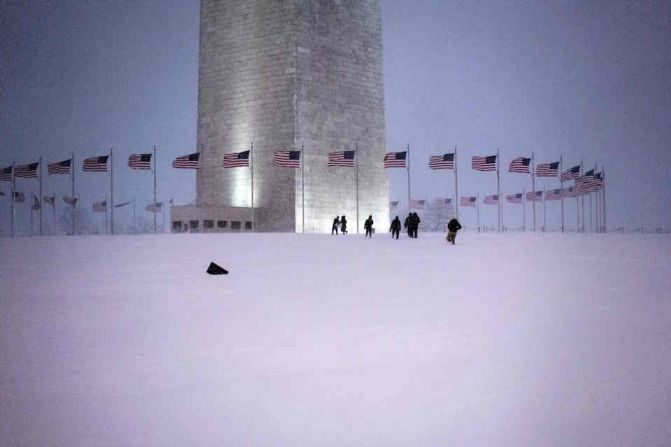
x=336, y=224
x=452, y=227
x=407, y=224
x=415, y=224
x=368, y=226
x=343, y=225
x=395, y=227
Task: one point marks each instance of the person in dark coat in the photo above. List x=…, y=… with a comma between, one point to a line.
x=368, y=226
x=452, y=227
x=407, y=224
x=343, y=225
x=336, y=224
x=395, y=227
x=415, y=224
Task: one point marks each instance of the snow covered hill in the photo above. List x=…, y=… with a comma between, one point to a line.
x=506, y=340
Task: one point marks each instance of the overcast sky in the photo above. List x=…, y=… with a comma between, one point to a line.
x=586, y=80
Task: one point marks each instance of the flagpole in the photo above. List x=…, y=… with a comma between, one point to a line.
x=561, y=186
x=544, y=213
x=408, y=172
x=477, y=204
x=32, y=205
x=533, y=185
x=106, y=214
x=356, y=173
x=111, y=192
x=303, y=184
x=53, y=209
x=577, y=201
x=72, y=184
x=498, y=187
x=134, y=224
x=582, y=212
x=13, y=195
x=603, y=198
x=597, y=212
x=154, y=188
x=40, y=166
x=456, y=184
x=251, y=172
x=524, y=211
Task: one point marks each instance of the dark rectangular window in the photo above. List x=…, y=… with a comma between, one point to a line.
x=248, y=225
x=236, y=224
x=208, y=223
x=177, y=226
x=222, y=224
x=193, y=224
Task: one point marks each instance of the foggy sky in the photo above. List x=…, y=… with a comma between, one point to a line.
x=586, y=80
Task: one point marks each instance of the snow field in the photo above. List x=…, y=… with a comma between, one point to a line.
x=515, y=339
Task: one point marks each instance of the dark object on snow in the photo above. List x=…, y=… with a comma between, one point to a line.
x=214, y=269
x=452, y=227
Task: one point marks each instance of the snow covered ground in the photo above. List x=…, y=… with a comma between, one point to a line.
x=501, y=340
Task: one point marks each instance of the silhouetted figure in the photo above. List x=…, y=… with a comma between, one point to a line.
x=336, y=224
x=368, y=226
x=452, y=227
x=407, y=224
x=343, y=225
x=414, y=224
x=395, y=227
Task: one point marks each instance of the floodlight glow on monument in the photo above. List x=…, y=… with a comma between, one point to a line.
x=294, y=75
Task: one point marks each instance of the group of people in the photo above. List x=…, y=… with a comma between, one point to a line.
x=339, y=224
x=411, y=224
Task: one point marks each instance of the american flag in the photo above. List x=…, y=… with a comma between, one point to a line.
x=96, y=164
x=287, y=159
x=555, y=194
x=514, y=198
x=186, y=161
x=6, y=174
x=484, y=163
x=140, y=161
x=72, y=201
x=416, y=204
x=535, y=196
x=26, y=171
x=342, y=158
x=236, y=160
x=60, y=167
x=395, y=160
x=19, y=197
x=393, y=204
x=589, y=182
x=573, y=191
x=520, y=165
x=154, y=207
x=468, y=201
x=570, y=174
x=491, y=200
x=547, y=169
x=445, y=161
x=100, y=207
x=36, y=203
x=441, y=202
x=51, y=200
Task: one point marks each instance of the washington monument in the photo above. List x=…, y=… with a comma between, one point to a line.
x=299, y=75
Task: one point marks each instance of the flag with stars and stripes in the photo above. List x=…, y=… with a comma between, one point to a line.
x=189, y=161
x=140, y=161
x=96, y=164
x=491, y=200
x=236, y=160
x=570, y=174
x=342, y=158
x=520, y=165
x=395, y=159
x=26, y=171
x=468, y=201
x=287, y=159
x=514, y=198
x=445, y=161
x=59, y=167
x=547, y=169
x=484, y=163
x=535, y=196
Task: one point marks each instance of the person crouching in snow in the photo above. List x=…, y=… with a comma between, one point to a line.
x=452, y=227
